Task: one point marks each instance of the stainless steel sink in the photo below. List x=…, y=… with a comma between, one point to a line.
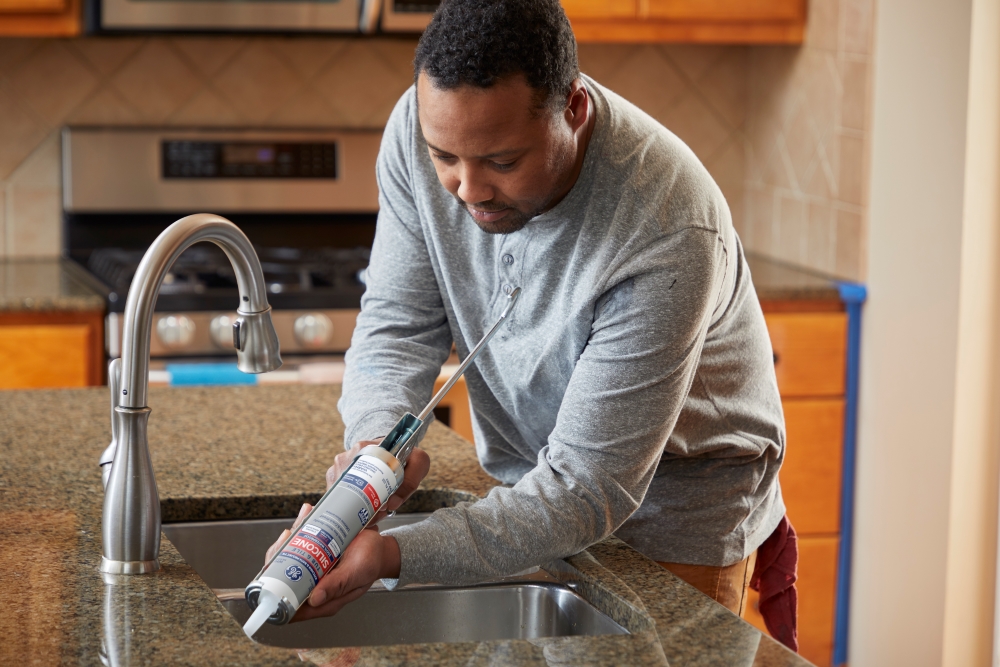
x=227, y=555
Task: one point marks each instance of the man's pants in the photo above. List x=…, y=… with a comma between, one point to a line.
x=726, y=585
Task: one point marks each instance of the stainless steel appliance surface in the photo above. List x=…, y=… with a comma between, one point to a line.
x=306, y=200
x=256, y=15
x=407, y=15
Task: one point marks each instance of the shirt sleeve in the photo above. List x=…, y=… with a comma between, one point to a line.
x=402, y=335
x=621, y=404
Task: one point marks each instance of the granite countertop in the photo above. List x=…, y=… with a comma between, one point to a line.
x=775, y=281
x=59, y=285
x=46, y=285
x=240, y=452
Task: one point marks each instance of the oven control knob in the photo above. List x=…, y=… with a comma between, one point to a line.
x=313, y=330
x=175, y=331
x=221, y=331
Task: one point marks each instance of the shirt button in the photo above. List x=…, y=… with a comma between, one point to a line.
x=508, y=259
x=507, y=289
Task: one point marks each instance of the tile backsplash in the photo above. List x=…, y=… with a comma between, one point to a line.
x=782, y=129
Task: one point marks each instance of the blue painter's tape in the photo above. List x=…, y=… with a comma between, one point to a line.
x=212, y=375
x=853, y=295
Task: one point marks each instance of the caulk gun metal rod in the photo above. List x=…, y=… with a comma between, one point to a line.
x=425, y=413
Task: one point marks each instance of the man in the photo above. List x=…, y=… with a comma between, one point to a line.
x=632, y=390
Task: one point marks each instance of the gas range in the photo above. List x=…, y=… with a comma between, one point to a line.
x=306, y=200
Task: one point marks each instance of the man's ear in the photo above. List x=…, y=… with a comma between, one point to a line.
x=577, y=105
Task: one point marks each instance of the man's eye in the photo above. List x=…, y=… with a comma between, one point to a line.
x=443, y=158
x=504, y=166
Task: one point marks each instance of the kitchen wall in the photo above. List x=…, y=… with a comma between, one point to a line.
x=782, y=129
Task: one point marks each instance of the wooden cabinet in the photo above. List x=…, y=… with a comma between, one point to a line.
x=51, y=350
x=697, y=21
x=40, y=18
x=810, y=358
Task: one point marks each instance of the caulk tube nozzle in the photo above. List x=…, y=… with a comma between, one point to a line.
x=267, y=604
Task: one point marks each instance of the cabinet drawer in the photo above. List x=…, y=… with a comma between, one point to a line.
x=724, y=10
x=36, y=356
x=810, y=475
x=599, y=9
x=817, y=588
x=810, y=352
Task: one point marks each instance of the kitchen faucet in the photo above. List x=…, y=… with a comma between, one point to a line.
x=131, y=522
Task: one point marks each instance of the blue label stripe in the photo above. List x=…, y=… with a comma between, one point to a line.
x=303, y=561
x=354, y=480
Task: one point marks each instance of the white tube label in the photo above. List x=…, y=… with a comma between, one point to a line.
x=339, y=517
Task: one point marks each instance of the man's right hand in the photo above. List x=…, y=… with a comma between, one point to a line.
x=416, y=469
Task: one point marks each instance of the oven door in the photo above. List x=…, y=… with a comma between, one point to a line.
x=284, y=15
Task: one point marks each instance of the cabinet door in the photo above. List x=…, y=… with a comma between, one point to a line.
x=456, y=402
x=37, y=356
x=817, y=589
x=40, y=18
x=810, y=475
x=810, y=352
x=599, y=9
x=724, y=10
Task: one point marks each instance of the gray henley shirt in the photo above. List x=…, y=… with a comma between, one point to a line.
x=632, y=390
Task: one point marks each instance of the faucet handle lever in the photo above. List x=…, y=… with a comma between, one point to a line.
x=114, y=383
x=238, y=338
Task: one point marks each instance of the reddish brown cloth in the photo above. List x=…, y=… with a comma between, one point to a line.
x=774, y=578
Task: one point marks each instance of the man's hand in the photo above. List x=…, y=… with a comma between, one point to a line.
x=370, y=556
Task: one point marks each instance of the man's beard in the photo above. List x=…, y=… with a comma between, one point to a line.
x=514, y=221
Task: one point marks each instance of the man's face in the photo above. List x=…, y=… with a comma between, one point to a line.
x=502, y=157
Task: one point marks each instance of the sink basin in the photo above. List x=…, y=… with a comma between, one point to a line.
x=228, y=554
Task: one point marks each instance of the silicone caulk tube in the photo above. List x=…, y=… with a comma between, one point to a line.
x=285, y=583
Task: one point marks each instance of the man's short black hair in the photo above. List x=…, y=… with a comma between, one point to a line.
x=479, y=42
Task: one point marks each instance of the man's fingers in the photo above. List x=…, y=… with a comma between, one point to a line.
x=417, y=468
x=343, y=461
x=330, y=607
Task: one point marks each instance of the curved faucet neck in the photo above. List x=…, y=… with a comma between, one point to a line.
x=146, y=286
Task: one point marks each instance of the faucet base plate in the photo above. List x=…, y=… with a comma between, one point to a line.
x=109, y=566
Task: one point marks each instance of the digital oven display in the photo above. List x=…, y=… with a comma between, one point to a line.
x=238, y=159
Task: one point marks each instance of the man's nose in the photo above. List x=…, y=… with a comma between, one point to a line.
x=472, y=186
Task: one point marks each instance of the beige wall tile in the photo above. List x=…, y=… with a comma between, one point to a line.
x=398, y=54
x=693, y=60
x=156, y=82
x=724, y=87
x=851, y=169
x=105, y=107
x=792, y=222
x=360, y=86
x=207, y=55
x=51, y=82
x=41, y=170
x=759, y=225
x=727, y=165
x=849, y=244
x=306, y=109
x=15, y=50
x=19, y=132
x=697, y=125
x=206, y=108
x=856, y=25
x=648, y=80
x=854, y=101
x=823, y=24
x=33, y=205
x=821, y=238
x=35, y=223
x=308, y=55
x=820, y=179
x=3, y=222
x=602, y=61
x=257, y=82
x=106, y=54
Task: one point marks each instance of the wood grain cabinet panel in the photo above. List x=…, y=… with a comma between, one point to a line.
x=724, y=10
x=40, y=18
x=600, y=9
x=810, y=352
x=810, y=475
x=51, y=350
x=817, y=595
x=456, y=402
